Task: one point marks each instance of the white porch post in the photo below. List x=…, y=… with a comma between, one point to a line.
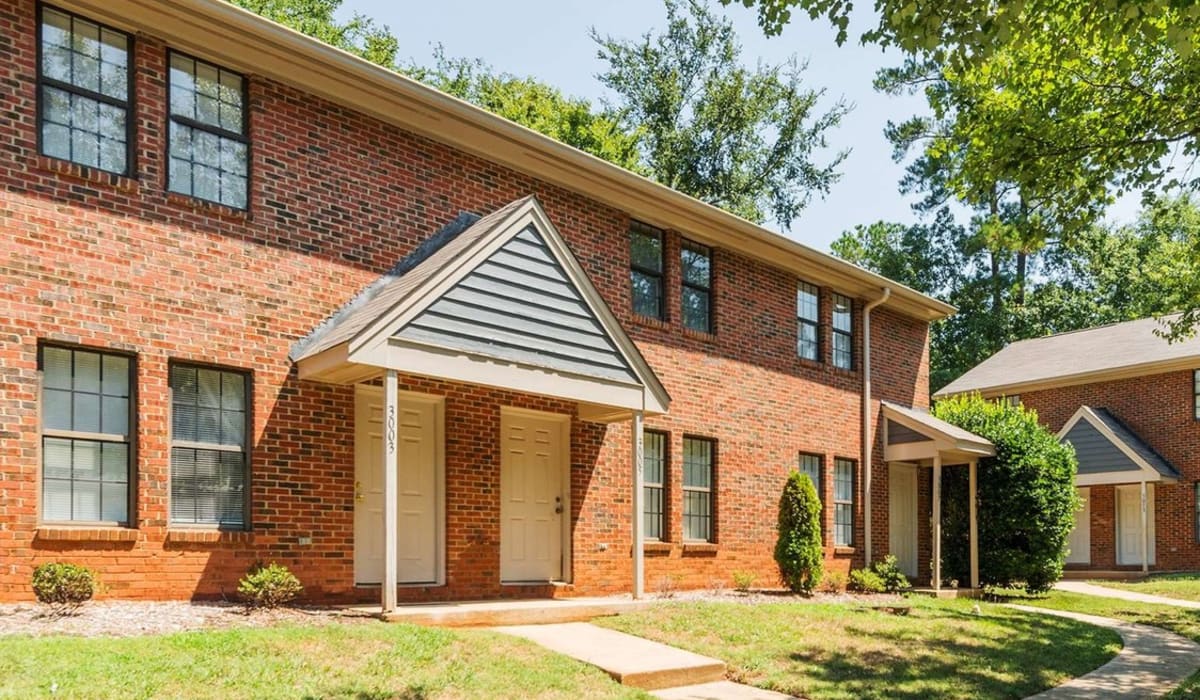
x=972, y=494
x=637, y=435
x=1145, y=532
x=937, y=522
x=390, y=490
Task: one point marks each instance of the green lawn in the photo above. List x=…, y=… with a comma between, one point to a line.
x=1185, y=586
x=359, y=661
x=940, y=650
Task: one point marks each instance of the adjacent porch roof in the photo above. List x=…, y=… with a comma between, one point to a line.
x=1110, y=452
x=497, y=300
x=913, y=435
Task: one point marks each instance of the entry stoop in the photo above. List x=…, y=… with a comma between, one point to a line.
x=491, y=613
x=632, y=661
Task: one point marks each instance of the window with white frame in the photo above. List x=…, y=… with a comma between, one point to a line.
x=654, y=464
x=698, y=455
x=808, y=321
x=87, y=433
x=209, y=149
x=209, y=465
x=843, y=332
x=843, y=502
x=84, y=88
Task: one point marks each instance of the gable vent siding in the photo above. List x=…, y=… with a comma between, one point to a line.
x=519, y=305
x=1096, y=454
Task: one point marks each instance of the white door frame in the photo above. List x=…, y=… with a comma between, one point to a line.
x=1083, y=528
x=912, y=469
x=439, y=403
x=1149, y=538
x=564, y=425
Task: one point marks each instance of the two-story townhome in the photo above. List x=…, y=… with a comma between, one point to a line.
x=265, y=301
x=1129, y=403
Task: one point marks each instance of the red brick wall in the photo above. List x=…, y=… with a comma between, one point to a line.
x=1159, y=408
x=336, y=198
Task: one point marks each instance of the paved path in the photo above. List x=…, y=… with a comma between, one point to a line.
x=1106, y=592
x=1152, y=662
x=674, y=673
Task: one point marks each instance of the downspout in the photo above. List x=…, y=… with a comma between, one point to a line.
x=867, y=422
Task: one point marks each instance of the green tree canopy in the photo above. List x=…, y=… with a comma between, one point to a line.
x=743, y=139
x=1027, y=500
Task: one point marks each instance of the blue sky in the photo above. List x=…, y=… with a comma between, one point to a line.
x=548, y=39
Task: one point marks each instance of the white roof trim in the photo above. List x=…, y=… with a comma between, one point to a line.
x=1145, y=472
x=948, y=437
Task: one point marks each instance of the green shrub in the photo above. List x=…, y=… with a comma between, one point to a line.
x=833, y=582
x=269, y=586
x=798, y=550
x=63, y=586
x=744, y=580
x=865, y=581
x=1027, y=500
x=894, y=580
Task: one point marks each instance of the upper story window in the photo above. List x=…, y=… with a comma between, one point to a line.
x=209, y=151
x=698, y=454
x=84, y=86
x=646, y=270
x=843, y=332
x=86, y=435
x=696, y=295
x=843, y=502
x=654, y=461
x=209, y=466
x=808, y=321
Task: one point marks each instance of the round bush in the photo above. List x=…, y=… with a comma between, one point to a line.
x=798, y=550
x=269, y=586
x=63, y=586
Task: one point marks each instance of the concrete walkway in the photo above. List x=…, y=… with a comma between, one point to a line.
x=1105, y=592
x=1152, y=662
x=641, y=663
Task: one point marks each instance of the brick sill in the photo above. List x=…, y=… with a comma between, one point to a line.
x=700, y=547
x=86, y=174
x=657, y=547
x=206, y=536
x=651, y=322
x=845, y=550
x=204, y=206
x=706, y=336
x=86, y=534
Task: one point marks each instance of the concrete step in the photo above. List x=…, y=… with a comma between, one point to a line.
x=719, y=690
x=492, y=613
x=630, y=660
x=1097, y=575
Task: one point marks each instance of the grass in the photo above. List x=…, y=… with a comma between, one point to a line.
x=1183, y=621
x=1184, y=586
x=361, y=661
x=940, y=650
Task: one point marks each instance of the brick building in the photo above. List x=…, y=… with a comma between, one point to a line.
x=242, y=271
x=1129, y=402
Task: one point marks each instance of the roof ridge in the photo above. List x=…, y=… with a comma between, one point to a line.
x=1095, y=328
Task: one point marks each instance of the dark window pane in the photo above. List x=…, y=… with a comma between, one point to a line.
x=647, y=294
x=807, y=345
x=205, y=163
x=696, y=314
x=646, y=250
x=696, y=266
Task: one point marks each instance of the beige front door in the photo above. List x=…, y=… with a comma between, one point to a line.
x=1129, y=524
x=902, y=516
x=534, y=449
x=420, y=488
x=1079, y=545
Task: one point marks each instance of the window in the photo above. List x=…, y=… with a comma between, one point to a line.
x=84, y=79
x=208, y=446
x=209, y=151
x=1196, y=508
x=843, y=333
x=1196, y=393
x=696, y=295
x=811, y=465
x=654, y=461
x=1013, y=400
x=808, y=320
x=646, y=270
x=843, y=502
x=86, y=429
x=697, y=488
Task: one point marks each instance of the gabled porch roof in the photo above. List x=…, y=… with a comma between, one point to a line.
x=911, y=435
x=497, y=300
x=1109, y=452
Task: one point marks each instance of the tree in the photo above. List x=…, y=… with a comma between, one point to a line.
x=741, y=139
x=798, y=549
x=359, y=35
x=537, y=105
x=1027, y=501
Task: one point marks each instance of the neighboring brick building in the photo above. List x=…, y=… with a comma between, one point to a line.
x=220, y=241
x=1129, y=402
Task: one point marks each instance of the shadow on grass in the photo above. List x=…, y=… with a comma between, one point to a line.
x=416, y=692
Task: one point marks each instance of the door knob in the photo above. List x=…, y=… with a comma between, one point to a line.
x=358, y=493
